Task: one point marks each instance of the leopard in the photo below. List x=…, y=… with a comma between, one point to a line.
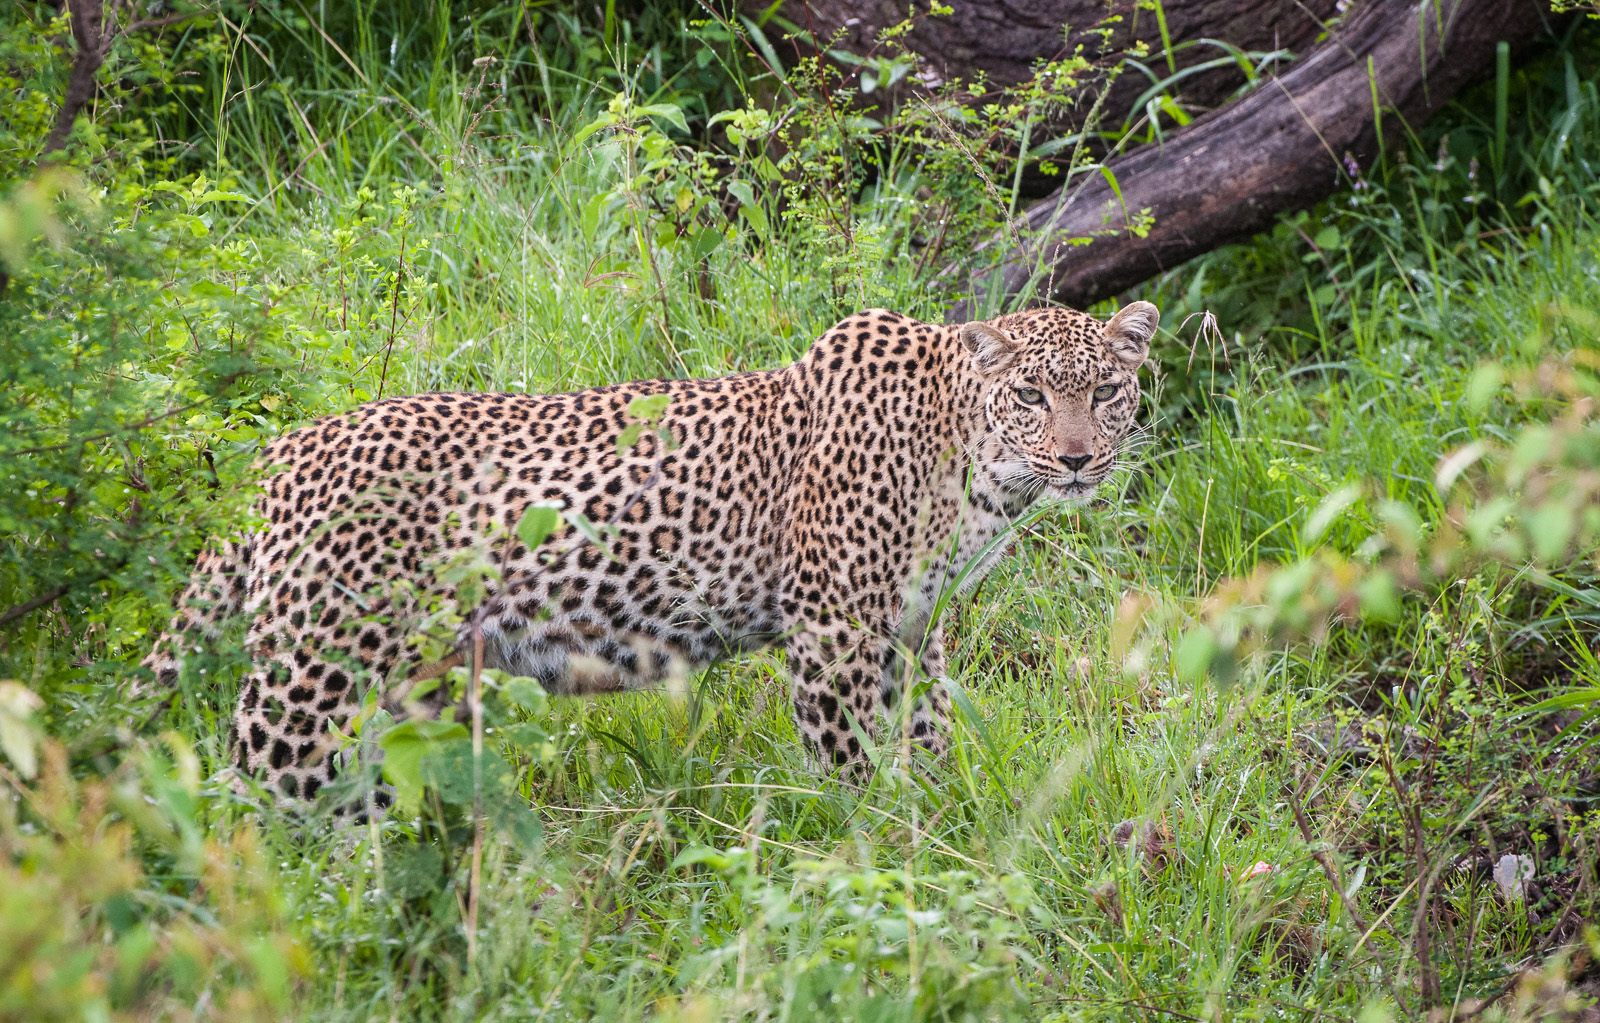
x=827, y=510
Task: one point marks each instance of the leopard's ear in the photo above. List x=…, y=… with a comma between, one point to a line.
x=1129, y=332
x=992, y=349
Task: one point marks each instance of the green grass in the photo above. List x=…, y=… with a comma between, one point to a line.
x=693, y=866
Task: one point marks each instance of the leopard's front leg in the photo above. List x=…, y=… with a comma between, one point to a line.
x=930, y=714
x=837, y=674
x=925, y=727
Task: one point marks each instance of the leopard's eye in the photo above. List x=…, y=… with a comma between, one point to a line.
x=1104, y=392
x=1030, y=396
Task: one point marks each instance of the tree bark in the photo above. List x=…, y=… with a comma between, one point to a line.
x=93, y=39
x=1002, y=40
x=95, y=29
x=1284, y=146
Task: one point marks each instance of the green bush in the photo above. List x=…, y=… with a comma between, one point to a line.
x=115, y=902
x=140, y=363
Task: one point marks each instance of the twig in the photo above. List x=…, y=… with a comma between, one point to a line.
x=1421, y=931
x=49, y=596
x=394, y=313
x=149, y=420
x=648, y=485
x=88, y=31
x=94, y=38
x=1329, y=868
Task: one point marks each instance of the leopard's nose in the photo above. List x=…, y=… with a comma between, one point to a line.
x=1074, y=462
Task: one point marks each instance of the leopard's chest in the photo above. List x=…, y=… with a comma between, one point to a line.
x=966, y=531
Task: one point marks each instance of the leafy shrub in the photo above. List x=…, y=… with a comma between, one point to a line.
x=134, y=393
x=116, y=903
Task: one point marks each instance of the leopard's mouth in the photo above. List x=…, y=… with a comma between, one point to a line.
x=1071, y=485
x=1061, y=487
x=1028, y=479
x=1073, y=490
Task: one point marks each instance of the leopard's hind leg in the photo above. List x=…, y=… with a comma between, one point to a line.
x=313, y=670
x=215, y=592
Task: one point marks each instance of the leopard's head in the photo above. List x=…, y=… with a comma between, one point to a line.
x=1060, y=392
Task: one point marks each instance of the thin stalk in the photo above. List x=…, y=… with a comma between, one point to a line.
x=474, y=883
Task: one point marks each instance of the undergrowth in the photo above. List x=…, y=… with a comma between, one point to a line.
x=1293, y=723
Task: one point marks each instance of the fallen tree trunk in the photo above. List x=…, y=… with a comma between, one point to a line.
x=1285, y=146
x=1002, y=40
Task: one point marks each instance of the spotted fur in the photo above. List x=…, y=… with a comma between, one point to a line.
x=822, y=506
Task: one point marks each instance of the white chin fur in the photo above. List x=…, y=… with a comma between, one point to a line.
x=1074, y=492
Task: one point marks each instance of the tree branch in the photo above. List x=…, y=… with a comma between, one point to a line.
x=49, y=596
x=93, y=40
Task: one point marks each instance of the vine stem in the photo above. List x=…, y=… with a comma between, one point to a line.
x=394, y=313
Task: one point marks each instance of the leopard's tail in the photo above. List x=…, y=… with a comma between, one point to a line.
x=215, y=592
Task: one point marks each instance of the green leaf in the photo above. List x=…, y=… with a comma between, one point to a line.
x=669, y=112
x=758, y=38
x=1403, y=521
x=1566, y=701
x=413, y=871
x=649, y=407
x=1327, y=238
x=510, y=814
x=527, y=694
x=1550, y=527
x=1328, y=511
x=1380, y=600
x=748, y=206
x=1195, y=654
x=595, y=534
x=701, y=854
x=450, y=769
x=603, y=121
x=628, y=437
x=537, y=523
x=404, y=746
x=706, y=241
x=1116, y=188
x=1485, y=383
x=271, y=971
x=196, y=225
x=528, y=739
x=757, y=218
